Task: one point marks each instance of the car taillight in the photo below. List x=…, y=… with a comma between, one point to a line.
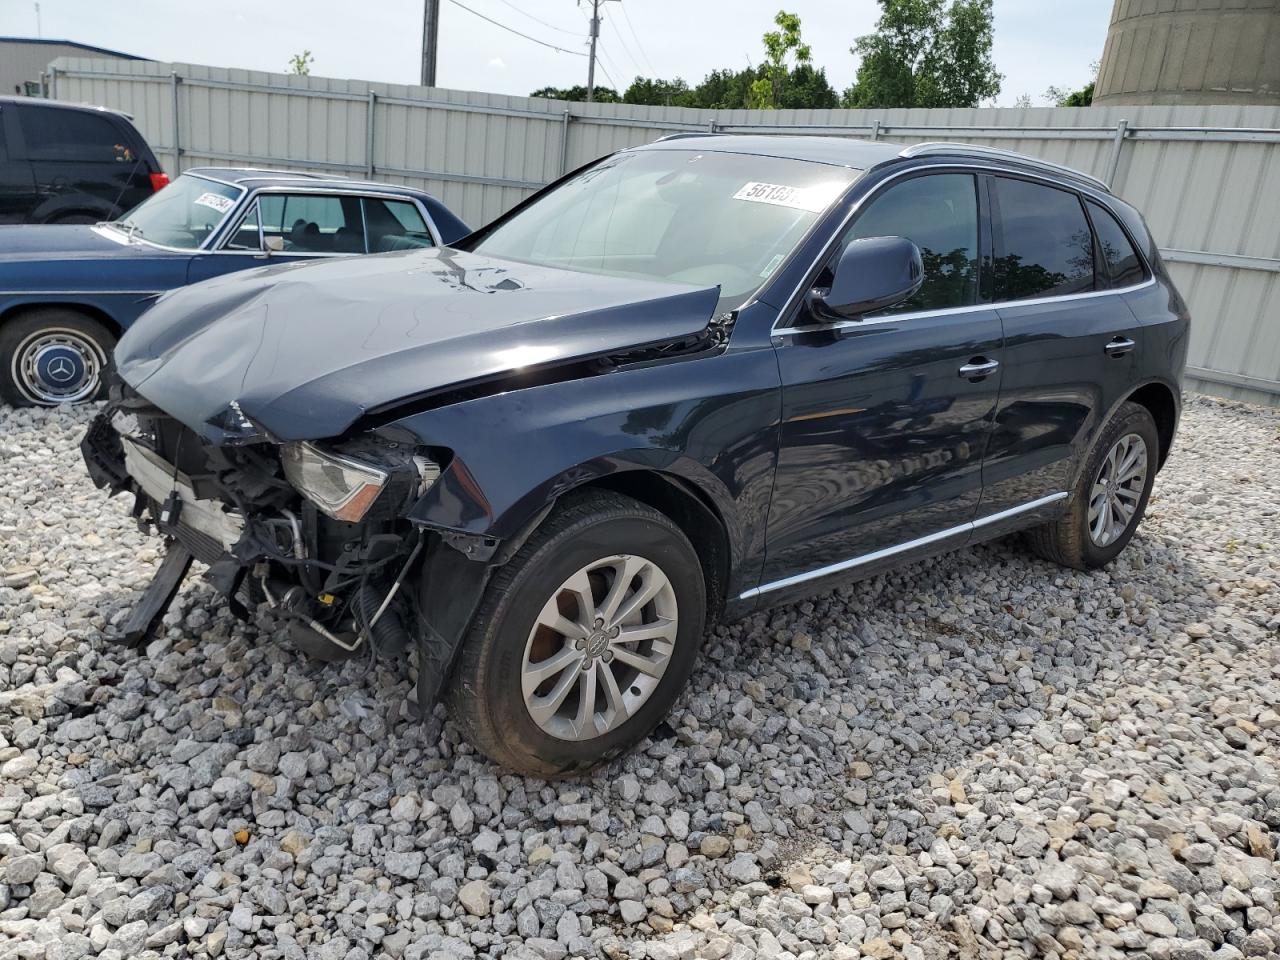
x=159, y=181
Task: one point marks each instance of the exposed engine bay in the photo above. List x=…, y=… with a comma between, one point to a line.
x=335, y=562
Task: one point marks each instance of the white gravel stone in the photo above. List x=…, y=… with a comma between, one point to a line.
x=983, y=752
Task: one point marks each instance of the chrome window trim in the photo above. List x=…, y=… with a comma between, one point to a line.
x=887, y=552
x=1100, y=197
x=330, y=192
x=948, y=311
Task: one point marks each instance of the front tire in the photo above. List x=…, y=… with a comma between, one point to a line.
x=53, y=356
x=583, y=640
x=1110, y=497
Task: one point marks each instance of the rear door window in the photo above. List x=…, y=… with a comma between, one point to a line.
x=52, y=133
x=1044, y=247
x=939, y=214
x=1124, y=266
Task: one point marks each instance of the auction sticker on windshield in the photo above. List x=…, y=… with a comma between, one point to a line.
x=217, y=202
x=814, y=199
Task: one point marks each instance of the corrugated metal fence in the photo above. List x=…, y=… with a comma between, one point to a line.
x=1207, y=178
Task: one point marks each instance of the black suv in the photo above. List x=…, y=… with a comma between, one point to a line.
x=685, y=382
x=66, y=163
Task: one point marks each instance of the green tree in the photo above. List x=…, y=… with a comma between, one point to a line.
x=300, y=63
x=670, y=93
x=1062, y=97
x=766, y=90
x=925, y=53
x=578, y=94
x=724, y=90
x=808, y=89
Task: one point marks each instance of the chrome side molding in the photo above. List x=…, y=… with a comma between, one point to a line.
x=887, y=552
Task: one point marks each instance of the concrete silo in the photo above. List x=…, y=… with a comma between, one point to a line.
x=1192, y=52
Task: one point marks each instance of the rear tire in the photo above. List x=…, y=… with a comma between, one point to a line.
x=53, y=356
x=1099, y=524
x=508, y=674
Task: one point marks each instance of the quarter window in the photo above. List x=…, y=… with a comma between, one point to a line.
x=1043, y=244
x=395, y=225
x=1124, y=266
x=939, y=213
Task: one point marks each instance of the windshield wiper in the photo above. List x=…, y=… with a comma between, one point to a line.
x=127, y=227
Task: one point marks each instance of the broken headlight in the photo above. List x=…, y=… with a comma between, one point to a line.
x=340, y=486
x=345, y=485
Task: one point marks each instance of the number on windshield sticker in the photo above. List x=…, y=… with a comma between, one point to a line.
x=217, y=202
x=814, y=199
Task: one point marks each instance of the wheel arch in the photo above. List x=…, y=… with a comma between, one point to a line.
x=91, y=311
x=695, y=513
x=1162, y=402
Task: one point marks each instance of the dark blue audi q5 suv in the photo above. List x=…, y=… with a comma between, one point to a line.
x=681, y=383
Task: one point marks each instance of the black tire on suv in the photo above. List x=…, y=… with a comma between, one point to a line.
x=1110, y=496
x=583, y=640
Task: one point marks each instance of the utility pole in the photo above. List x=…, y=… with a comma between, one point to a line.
x=430, y=34
x=591, y=61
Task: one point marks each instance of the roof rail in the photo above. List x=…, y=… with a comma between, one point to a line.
x=685, y=134
x=972, y=150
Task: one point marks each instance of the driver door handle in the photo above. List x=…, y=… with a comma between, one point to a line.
x=979, y=368
x=1119, y=346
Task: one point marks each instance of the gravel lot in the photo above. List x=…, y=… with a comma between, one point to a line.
x=980, y=756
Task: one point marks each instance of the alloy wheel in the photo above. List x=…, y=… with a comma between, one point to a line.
x=1117, y=489
x=599, y=647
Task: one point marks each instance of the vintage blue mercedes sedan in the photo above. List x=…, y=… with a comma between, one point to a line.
x=67, y=292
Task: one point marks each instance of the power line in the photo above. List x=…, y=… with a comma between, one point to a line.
x=552, y=26
x=503, y=26
x=630, y=56
x=636, y=38
x=613, y=83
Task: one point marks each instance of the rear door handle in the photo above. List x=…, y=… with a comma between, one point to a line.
x=1119, y=346
x=979, y=368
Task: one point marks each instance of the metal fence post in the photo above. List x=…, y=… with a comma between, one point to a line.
x=368, y=135
x=875, y=130
x=1122, y=130
x=564, y=140
x=174, y=80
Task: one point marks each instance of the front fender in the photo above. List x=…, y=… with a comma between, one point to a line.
x=711, y=421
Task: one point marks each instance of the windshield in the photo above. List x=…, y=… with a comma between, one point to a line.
x=183, y=214
x=678, y=215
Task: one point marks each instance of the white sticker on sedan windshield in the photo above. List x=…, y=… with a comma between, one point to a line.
x=216, y=201
x=814, y=199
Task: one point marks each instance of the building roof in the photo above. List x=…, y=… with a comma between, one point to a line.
x=86, y=47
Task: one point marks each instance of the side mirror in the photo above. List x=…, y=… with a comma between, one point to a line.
x=871, y=275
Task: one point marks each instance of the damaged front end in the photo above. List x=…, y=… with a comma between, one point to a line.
x=316, y=531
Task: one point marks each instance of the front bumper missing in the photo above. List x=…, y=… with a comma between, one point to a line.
x=160, y=481
x=437, y=615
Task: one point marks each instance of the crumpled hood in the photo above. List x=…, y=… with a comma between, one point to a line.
x=305, y=349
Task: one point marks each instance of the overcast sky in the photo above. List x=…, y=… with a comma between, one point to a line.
x=1037, y=42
